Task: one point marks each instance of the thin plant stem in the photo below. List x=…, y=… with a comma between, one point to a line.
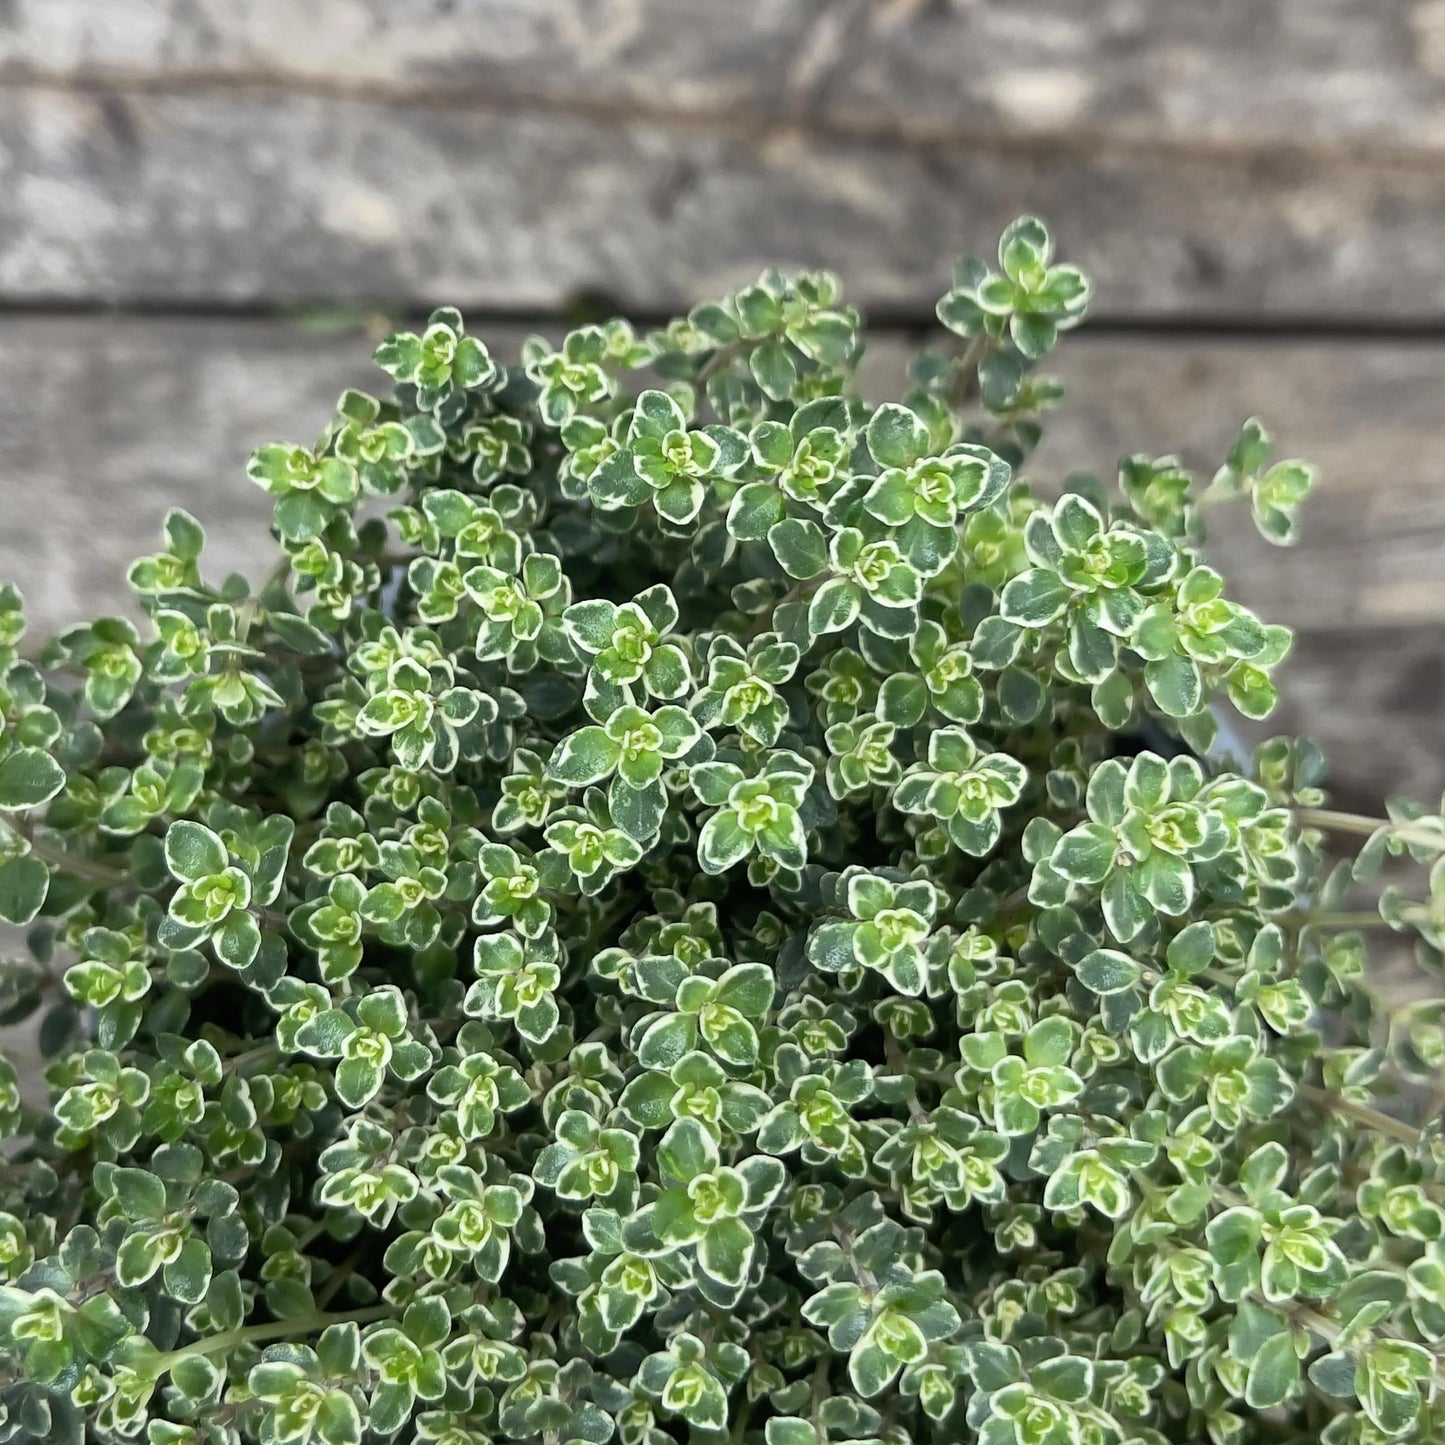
x=1381, y=1123
x=1358, y=824
x=1363, y=918
x=88, y=868
x=966, y=370
x=275, y=1330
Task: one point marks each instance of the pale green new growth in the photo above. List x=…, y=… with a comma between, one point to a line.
x=683, y=932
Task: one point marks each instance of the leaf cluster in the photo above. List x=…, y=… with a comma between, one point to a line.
x=692, y=905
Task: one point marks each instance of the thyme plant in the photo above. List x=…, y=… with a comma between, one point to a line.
x=689, y=906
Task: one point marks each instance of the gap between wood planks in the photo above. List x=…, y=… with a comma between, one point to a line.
x=906, y=324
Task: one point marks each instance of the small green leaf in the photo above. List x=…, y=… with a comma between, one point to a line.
x=24, y=882
x=774, y=370
x=586, y=756
x=193, y=851
x=1034, y=599
x=1107, y=971
x=1273, y=1373
x=800, y=547
x=28, y=778
x=897, y=437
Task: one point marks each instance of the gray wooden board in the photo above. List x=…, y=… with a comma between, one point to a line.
x=244, y=195
x=1271, y=71
x=1376, y=702
x=106, y=423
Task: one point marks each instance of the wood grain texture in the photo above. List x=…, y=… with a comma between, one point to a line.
x=1376, y=703
x=105, y=424
x=235, y=198
x=1273, y=71
x=1368, y=414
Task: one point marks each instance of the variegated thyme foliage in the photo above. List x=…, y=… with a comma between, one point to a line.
x=671, y=934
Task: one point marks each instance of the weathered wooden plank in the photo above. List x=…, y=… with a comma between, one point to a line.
x=1366, y=413
x=1375, y=702
x=104, y=424
x=240, y=197
x=1291, y=71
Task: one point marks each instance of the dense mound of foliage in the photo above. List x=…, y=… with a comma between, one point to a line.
x=672, y=933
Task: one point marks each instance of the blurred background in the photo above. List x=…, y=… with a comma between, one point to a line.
x=208, y=208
